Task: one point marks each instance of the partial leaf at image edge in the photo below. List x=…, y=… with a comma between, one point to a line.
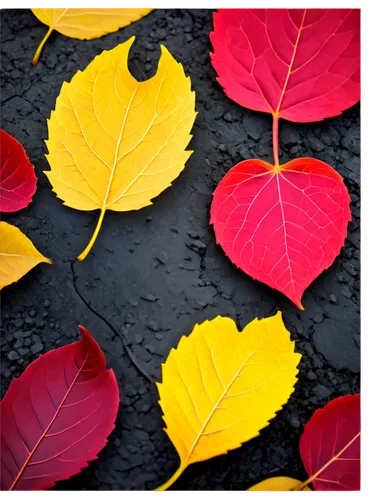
x=115, y=143
x=305, y=71
x=330, y=450
x=18, y=255
x=281, y=483
x=57, y=416
x=85, y=24
x=330, y=445
x=215, y=398
x=17, y=175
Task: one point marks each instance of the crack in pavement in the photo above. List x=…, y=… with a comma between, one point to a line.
x=129, y=352
x=10, y=98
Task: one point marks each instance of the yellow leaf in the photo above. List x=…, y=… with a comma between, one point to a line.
x=17, y=254
x=221, y=387
x=115, y=143
x=85, y=24
x=281, y=483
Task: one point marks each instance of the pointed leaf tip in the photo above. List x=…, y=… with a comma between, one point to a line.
x=18, y=254
x=294, y=245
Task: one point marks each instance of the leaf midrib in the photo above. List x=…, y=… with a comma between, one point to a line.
x=32, y=452
x=226, y=389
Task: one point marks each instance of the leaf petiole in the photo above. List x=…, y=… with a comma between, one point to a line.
x=40, y=47
x=275, y=140
x=172, y=479
x=86, y=251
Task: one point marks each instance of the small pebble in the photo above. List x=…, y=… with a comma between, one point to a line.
x=321, y=392
x=311, y=375
x=228, y=117
x=18, y=344
x=36, y=348
x=13, y=356
x=294, y=422
x=150, y=298
x=138, y=339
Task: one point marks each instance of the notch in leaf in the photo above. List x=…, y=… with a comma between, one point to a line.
x=115, y=143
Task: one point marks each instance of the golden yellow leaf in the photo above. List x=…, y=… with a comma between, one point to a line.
x=115, y=143
x=17, y=254
x=281, y=483
x=85, y=24
x=221, y=387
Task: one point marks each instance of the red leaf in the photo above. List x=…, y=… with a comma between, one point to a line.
x=17, y=176
x=299, y=64
x=282, y=226
x=330, y=445
x=56, y=416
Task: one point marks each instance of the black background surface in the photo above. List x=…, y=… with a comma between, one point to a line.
x=156, y=272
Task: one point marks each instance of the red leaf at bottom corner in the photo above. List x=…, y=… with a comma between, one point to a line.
x=282, y=226
x=57, y=416
x=330, y=445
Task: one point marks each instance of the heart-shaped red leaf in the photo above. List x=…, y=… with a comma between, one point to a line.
x=17, y=176
x=57, y=416
x=330, y=445
x=282, y=226
x=299, y=64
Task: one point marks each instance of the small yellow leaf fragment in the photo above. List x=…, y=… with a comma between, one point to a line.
x=17, y=254
x=85, y=24
x=115, y=143
x=220, y=387
x=281, y=483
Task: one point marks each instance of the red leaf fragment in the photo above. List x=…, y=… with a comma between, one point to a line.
x=56, y=416
x=302, y=65
x=330, y=445
x=282, y=226
x=17, y=176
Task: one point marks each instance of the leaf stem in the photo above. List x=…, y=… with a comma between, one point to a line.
x=84, y=254
x=275, y=139
x=172, y=479
x=41, y=45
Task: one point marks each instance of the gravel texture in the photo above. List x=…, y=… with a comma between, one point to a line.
x=156, y=272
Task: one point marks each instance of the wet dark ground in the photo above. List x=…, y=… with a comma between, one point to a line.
x=156, y=272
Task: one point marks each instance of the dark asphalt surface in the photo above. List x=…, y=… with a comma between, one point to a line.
x=156, y=272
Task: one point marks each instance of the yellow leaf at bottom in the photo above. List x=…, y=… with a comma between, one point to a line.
x=281, y=483
x=220, y=387
x=115, y=143
x=17, y=254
